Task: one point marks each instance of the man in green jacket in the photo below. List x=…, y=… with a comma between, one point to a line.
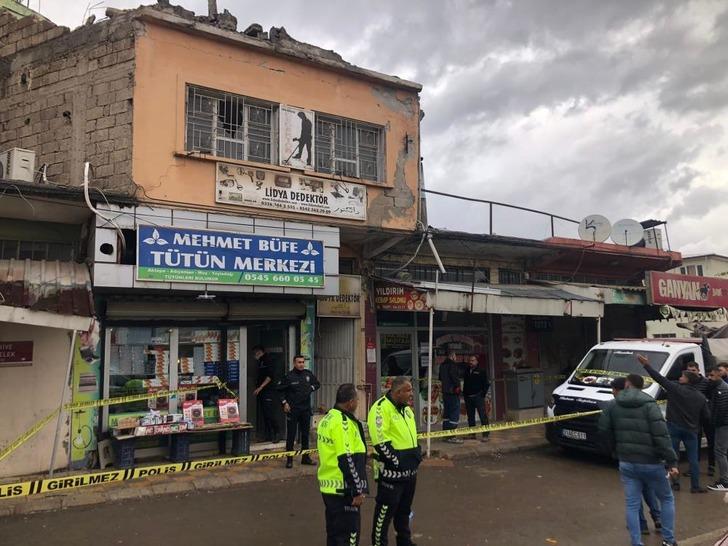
x=635, y=428
x=342, y=472
x=393, y=432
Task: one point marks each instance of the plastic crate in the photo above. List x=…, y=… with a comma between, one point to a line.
x=124, y=452
x=179, y=449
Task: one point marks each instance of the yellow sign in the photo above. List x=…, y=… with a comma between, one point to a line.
x=346, y=304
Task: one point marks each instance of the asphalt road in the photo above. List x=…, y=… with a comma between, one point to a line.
x=531, y=498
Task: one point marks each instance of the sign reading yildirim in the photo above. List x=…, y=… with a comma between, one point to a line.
x=168, y=254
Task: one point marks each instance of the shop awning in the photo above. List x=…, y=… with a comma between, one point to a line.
x=510, y=300
x=53, y=294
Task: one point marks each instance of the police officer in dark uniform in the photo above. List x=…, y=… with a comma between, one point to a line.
x=475, y=389
x=296, y=389
x=268, y=379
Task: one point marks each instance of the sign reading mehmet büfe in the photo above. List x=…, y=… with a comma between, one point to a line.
x=260, y=188
x=168, y=254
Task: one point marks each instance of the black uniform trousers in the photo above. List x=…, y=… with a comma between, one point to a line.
x=476, y=403
x=709, y=430
x=394, y=502
x=272, y=414
x=343, y=521
x=298, y=420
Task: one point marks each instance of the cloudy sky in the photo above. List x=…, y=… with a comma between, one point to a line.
x=568, y=106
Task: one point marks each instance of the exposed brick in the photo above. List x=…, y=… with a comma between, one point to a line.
x=105, y=122
x=125, y=118
x=124, y=94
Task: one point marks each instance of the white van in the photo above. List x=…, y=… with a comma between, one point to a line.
x=588, y=386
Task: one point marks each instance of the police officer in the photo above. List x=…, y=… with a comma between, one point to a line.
x=393, y=432
x=268, y=379
x=296, y=389
x=342, y=472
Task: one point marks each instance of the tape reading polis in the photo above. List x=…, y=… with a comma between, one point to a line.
x=36, y=487
x=32, y=431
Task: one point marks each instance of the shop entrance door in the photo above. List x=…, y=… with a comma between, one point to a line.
x=398, y=356
x=275, y=336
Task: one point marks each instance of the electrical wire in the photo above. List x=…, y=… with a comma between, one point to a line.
x=86, y=167
x=417, y=251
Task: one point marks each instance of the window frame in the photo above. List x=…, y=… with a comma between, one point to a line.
x=245, y=103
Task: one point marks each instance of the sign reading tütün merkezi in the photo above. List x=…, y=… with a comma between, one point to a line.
x=687, y=290
x=168, y=254
x=287, y=191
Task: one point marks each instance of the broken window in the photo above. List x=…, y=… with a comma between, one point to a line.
x=231, y=126
x=349, y=148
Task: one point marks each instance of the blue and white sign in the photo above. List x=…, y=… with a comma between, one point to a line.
x=169, y=254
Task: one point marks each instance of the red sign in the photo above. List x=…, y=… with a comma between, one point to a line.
x=392, y=297
x=687, y=290
x=16, y=353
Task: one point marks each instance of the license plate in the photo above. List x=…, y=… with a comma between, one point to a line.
x=573, y=434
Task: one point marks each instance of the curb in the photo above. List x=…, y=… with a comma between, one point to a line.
x=706, y=539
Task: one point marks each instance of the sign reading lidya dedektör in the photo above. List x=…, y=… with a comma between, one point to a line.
x=16, y=353
x=261, y=188
x=170, y=254
x=687, y=290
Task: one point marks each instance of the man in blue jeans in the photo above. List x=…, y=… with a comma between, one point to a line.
x=637, y=432
x=687, y=410
x=450, y=379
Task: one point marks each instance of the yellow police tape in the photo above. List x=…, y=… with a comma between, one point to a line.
x=47, y=485
x=32, y=431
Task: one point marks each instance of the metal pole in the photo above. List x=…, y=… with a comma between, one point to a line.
x=552, y=227
x=66, y=381
x=490, y=218
x=429, y=367
x=599, y=330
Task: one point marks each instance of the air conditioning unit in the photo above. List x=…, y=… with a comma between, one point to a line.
x=17, y=164
x=653, y=238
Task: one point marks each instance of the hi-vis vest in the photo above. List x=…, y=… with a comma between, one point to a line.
x=340, y=442
x=394, y=436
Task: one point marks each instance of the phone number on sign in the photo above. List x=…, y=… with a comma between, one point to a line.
x=276, y=278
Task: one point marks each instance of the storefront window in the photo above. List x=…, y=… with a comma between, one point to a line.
x=139, y=364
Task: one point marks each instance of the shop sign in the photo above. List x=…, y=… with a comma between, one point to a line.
x=391, y=297
x=687, y=290
x=289, y=192
x=169, y=254
x=346, y=304
x=16, y=353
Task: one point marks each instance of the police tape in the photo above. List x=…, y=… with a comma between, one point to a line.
x=48, y=485
x=91, y=404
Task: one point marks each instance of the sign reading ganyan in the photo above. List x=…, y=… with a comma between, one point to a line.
x=169, y=254
x=687, y=290
x=287, y=191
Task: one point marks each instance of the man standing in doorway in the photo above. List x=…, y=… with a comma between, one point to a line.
x=296, y=389
x=450, y=380
x=342, y=475
x=687, y=408
x=393, y=432
x=267, y=381
x=635, y=429
x=475, y=388
x=718, y=394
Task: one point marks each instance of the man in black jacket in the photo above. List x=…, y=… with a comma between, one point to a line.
x=706, y=427
x=296, y=389
x=687, y=409
x=719, y=418
x=475, y=387
x=635, y=428
x=450, y=381
x=269, y=376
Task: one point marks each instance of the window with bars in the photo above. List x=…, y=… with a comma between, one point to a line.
x=426, y=272
x=35, y=250
x=349, y=148
x=510, y=276
x=231, y=126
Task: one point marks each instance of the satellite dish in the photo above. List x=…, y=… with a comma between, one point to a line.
x=627, y=232
x=595, y=228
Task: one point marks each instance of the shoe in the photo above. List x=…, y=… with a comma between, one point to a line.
x=698, y=490
x=485, y=439
x=289, y=462
x=455, y=440
x=666, y=543
x=658, y=524
x=711, y=471
x=676, y=486
x=719, y=486
x=645, y=531
x=686, y=474
x=307, y=460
